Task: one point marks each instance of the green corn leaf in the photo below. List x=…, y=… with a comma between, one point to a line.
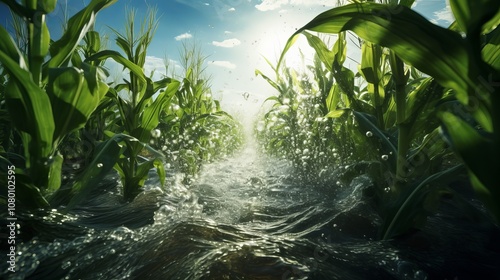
x=421, y=106
x=476, y=149
x=93, y=41
x=269, y=80
x=154, y=87
x=143, y=169
x=29, y=106
x=273, y=98
x=336, y=113
x=489, y=196
x=151, y=114
x=116, y=56
x=370, y=62
x=492, y=23
x=76, y=94
x=409, y=210
x=55, y=173
x=78, y=25
x=407, y=3
x=431, y=146
x=412, y=37
x=472, y=15
x=325, y=55
x=333, y=98
x=340, y=49
x=47, y=6
x=367, y=123
x=160, y=170
x=106, y=156
x=491, y=51
x=19, y=9
x=9, y=49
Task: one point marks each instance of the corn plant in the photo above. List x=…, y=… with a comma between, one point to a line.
x=194, y=128
x=296, y=128
x=47, y=98
x=139, y=101
x=466, y=64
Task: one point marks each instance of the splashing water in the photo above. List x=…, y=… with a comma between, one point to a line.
x=247, y=217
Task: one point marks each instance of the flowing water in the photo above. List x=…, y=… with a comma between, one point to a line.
x=247, y=217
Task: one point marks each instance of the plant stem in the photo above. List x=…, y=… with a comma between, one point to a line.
x=404, y=130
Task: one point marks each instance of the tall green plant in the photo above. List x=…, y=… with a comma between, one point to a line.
x=462, y=58
x=194, y=127
x=140, y=102
x=46, y=97
x=296, y=128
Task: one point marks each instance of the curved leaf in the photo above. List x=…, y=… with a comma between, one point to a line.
x=107, y=154
x=78, y=25
x=28, y=105
x=116, y=56
x=410, y=36
x=472, y=15
x=474, y=147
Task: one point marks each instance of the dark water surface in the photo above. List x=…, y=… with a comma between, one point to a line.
x=247, y=217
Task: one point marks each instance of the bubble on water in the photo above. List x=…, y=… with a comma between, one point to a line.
x=385, y=157
x=66, y=265
x=260, y=126
x=369, y=134
x=155, y=133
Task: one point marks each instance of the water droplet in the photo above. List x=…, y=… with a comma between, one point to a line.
x=369, y=134
x=385, y=157
x=100, y=165
x=66, y=265
x=155, y=133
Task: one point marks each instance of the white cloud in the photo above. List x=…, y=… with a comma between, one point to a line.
x=156, y=65
x=269, y=5
x=229, y=43
x=223, y=63
x=183, y=36
x=231, y=10
x=444, y=15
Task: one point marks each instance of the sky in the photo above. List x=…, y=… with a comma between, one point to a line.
x=235, y=35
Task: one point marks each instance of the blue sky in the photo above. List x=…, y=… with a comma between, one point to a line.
x=234, y=34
